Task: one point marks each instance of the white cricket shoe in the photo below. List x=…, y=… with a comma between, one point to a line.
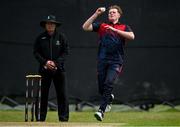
x=108, y=107
x=99, y=115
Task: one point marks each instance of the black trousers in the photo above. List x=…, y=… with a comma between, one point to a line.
x=59, y=81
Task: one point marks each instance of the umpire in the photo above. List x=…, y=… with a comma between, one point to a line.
x=50, y=50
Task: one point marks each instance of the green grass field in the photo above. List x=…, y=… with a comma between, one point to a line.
x=155, y=117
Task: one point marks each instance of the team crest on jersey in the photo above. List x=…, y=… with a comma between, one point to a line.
x=119, y=69
x=57, y=42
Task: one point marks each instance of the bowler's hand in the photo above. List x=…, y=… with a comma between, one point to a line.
x=110, y=28
x=99, y=11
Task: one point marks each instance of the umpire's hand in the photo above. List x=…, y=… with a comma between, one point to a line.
x=50, y=65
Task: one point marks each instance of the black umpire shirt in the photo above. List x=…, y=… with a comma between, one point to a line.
x=53, y=48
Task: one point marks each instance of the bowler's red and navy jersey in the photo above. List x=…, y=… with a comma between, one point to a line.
x=110, y=43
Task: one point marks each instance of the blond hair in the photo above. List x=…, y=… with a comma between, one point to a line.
x=116, y=7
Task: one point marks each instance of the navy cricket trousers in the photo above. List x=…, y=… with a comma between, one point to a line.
x=107, y=73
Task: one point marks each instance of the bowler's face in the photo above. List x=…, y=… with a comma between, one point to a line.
x=113, y=15
x=50, y=27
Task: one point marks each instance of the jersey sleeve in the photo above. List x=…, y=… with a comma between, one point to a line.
x=128, y=28
x=96, y=26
